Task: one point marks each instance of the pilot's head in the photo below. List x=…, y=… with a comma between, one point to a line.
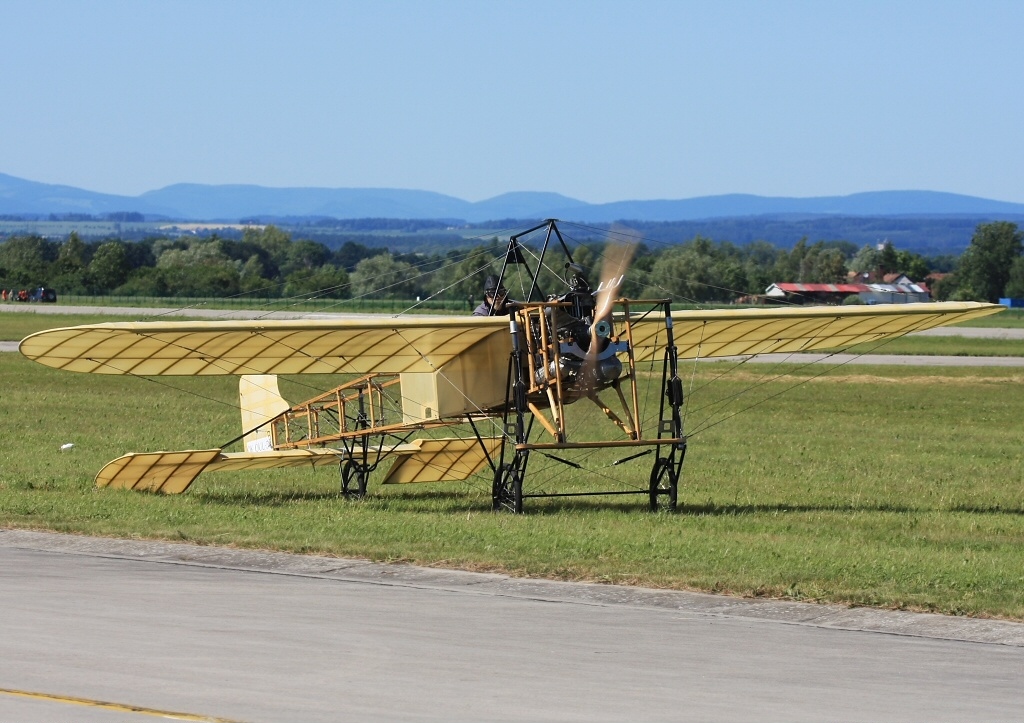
x=494, y=292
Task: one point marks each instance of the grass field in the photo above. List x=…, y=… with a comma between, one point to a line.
x=16, y=326
x=943, y=346
x=893, y=487
x=1009, y=319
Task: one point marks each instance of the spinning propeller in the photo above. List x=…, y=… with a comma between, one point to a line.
x=618, y=256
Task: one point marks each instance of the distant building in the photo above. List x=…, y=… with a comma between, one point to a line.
x=813, y=293
x=904, y=292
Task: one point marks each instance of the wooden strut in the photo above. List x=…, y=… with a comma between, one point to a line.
x=670, y=441
x=610, y=413
x=367, y=393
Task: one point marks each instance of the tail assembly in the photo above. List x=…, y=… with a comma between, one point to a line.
x=260, y=401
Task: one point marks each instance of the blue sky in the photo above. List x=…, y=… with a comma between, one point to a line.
x=601, y=101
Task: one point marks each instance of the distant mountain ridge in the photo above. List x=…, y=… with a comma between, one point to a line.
x=199, y=202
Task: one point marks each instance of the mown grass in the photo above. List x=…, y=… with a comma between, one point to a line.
x=890, y=487
x=943, y=346
x=15, y=326
x=1009, y=319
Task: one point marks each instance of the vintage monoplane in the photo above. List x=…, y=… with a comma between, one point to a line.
x=486, y=381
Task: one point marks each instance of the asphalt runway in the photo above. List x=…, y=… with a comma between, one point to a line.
x=255, y=636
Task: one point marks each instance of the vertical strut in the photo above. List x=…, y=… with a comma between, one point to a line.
x=507, y=489
x=668, y=466
x=355, y=468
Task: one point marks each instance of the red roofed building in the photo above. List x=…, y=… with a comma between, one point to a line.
x=896, y=293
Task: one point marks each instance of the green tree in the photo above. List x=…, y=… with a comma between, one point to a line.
x=788, y=265
x=866, y=260
x=760, y=258
x=945, y=288
x=826, y=266
x=145, y=281
x=1015, y=283
x=27, y=259
x=208, y=280
x=888, y=260
x=272, y=240
x=327, y=282
x=913, y=265
x=699, y=271
x=383, y=277
x=69, y=273
x=202, y=269
x=464, y=279
x=304, y=256
x=109, y=266
x=252, y=278
x=985, y=265
x=351, y=253
x=72, y=253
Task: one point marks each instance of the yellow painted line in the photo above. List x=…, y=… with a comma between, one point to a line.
x=115, y=706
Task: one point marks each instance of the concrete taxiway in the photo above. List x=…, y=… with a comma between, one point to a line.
x=256, y=636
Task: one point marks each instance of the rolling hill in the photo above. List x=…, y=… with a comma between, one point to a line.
x=198, y=202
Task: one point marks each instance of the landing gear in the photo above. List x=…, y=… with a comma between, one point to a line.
x=668, y=467
x=507, y=490
x=355, y=468
x=354, y=476
x=665, y=478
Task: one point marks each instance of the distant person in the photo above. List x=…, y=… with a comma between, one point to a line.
x=496, y=301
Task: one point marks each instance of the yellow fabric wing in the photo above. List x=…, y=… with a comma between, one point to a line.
x=442, y=460
x=424, y=345
x=193, y=348
x=166, y=472
x=421, y=460
x=728, y=332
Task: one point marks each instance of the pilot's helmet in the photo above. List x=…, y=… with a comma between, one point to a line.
x=492, y=287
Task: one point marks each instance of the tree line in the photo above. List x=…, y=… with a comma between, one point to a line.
x=267, y=263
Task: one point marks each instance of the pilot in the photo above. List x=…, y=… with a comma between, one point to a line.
x=496, y=301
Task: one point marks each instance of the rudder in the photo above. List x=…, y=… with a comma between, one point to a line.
x=260, y=401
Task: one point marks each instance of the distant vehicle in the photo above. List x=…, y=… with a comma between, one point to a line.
x=43, y=295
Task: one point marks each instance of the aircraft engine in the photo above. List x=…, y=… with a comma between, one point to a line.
x=587, y=354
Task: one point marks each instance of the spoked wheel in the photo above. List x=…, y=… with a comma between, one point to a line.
x=664, y=482
x=354, y=477
x=507, y=490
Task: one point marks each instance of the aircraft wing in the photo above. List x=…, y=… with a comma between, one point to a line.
x=389, y=345
x=422, y=460
x=728, y=332
x=194, y=348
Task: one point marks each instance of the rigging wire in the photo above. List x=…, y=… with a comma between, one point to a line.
x=457, y=258
x=708, y=425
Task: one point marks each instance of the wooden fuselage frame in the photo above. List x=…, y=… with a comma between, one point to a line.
x=359, y=408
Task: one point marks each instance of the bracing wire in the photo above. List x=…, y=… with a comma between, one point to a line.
x=428, y=267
